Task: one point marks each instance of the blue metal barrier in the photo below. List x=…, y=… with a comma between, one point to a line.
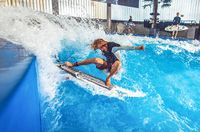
x=19, y=98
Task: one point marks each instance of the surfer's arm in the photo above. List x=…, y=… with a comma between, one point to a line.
x=115, y=49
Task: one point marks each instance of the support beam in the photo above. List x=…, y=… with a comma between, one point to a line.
x=197, y=33
x=153, y=30
x=55, y=7
x=109, y=16
x=155, y=12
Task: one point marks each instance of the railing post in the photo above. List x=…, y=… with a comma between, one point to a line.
x=153, y=30
x=198, y=34
x=55, y=7
x=109, y=16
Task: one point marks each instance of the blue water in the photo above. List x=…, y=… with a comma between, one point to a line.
x=169, y=77
x=168, y=72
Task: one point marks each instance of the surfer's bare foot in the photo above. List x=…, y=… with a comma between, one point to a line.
x=68, y=64
x=141, y=47
x=108, y=82
x=59, y=65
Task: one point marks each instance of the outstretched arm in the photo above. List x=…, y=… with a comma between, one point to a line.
x=115, y=49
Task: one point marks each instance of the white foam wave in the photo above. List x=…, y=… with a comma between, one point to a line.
x=116, y=92
x=33, y=31
x=41, y=34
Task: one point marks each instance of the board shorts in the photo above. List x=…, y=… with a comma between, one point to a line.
x=106, y=65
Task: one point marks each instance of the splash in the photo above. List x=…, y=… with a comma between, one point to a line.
x=116, y=92
x=41, y=34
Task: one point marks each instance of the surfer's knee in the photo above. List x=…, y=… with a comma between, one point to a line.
x=98, y=61
x=117, y=63
x=116, y=66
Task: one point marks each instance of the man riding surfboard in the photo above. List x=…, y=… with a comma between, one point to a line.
x=112, y=63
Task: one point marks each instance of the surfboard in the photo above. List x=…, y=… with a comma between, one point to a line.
x=85, y=77
x=176, y=28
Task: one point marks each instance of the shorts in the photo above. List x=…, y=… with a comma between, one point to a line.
x=106, y=65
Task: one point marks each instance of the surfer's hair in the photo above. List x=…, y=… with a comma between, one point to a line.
x=96, y=42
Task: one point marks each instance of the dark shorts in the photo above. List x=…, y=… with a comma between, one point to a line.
x=106, y=65
x=102, y=67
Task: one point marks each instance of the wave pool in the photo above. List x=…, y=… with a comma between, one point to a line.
x=161, y=83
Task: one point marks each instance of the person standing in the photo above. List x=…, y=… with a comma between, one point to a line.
x=176, y=23
x=130, y=19
x=129, y=26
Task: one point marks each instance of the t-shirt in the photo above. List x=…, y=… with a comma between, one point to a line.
x=110, y=56
x=176, y=20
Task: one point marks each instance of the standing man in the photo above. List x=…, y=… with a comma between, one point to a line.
x=129, y=26
x=130, y=19
x=176, y=23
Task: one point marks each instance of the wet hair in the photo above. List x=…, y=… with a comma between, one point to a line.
x=96, y=42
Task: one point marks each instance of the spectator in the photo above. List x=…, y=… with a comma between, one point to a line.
x=176, y=23
x=130, y=20
x=129, y=26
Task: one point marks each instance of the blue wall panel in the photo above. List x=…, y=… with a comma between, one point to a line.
x=21, y=110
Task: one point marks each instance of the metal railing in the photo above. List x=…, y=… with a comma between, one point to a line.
x=75, y=8
x=94, y=9
x=38, y=5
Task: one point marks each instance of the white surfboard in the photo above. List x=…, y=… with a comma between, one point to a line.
x=176, y=28
x=85, y=77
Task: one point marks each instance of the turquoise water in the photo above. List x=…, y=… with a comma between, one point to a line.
x=161, y=84
x=167, y=74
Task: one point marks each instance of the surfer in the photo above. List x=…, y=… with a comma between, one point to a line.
x=112, y=63
x=176, y=23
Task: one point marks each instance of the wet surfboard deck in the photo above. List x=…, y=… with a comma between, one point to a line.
x=85, y=77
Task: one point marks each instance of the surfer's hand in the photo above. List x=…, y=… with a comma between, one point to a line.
x=68, y=64
x=108, y=82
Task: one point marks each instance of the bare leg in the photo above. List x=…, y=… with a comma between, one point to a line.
x=114, y=69
x=173, y=34
x=96, y=61
x=176, y=34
